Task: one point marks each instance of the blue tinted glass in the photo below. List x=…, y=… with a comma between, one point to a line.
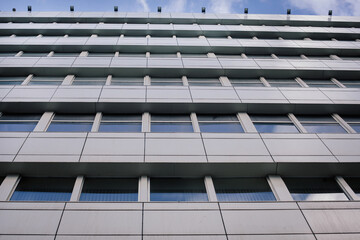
x=184, y=190
x=314, y=189
x=275, y=128
x=17, y=126
x=243, y=189
x=171, y=127
x=43, y=189
x=221, y=127
x=44, y=83
x=112, y=189
x=10, y=83
x=356, y=127
x=120, y=127
x=323, y=128
x=69, y=127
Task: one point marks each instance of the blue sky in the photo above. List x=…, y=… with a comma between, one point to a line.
x=319, y=7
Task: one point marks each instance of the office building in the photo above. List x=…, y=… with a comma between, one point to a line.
x=179, y=126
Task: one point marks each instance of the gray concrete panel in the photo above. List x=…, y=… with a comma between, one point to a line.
x=10, y=145
x=230, y=147
x=113, y=146
x=343, y=146
x=293, y=147
x=174, y=147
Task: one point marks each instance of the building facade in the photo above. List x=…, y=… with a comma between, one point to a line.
x=179, y=126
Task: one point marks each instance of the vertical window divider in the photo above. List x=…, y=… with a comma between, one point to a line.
x=51, y=54
x=146, y=120
x=185, y=81
x=342, y=123
x=210, y=189
x=335, y=57
x=178, y=54
x=279, y=188
x=346, y=188
x=297, y=123
x=147, y=80
x=8, y=187
x=116, y=54
x=246, y=123
x=304, y=57
x=301, y=82
x=44, y=122
x=27, y=79
x=68, y=80
x=211, y=55
x=144, y=189
x=195, y=122
x=19, y=54
x=338, y=83
x=266, y=83
x=225, y=81
x=274, y=56
x=84, y=54
x=76, y=192
x=243, y=55
x=96, y=123
x=108, y=80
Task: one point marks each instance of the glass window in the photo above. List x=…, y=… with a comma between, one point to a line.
x=120, y=123
x=326, y=83
x=350, y=58
x=11, y=80
x=166, y=82
x=89, y=81
x=219, y=124
x=243, y=189
x=127, y=81
x=32, y=54
x=132, y=55
x=43, y=189
x=327, y=57
x=177, y=190
x=204, y=82
x=354, y=183
x=71, y=123
x=101, y=54
x=351, y=83
x=259, y=56
x=353, y=121
x=18, y=123
x=8, y=54
x=289, y=56
x=283, y=82
x=109, y=189
x=246, y=82
x=160, y=55
x=171, y=123
x=46, y=81
x=63, y=54
x=273, y=124
x=320, y=124
x=314, y=189
x=187, y=55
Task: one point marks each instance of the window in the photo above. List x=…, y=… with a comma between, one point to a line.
x=204, y=82
x=354, y=183
x=247, y=82
x=259, y=56
x=320, y=83
x=319, y=57
x=283, y=83
x=187, y=55
x=243, y=189
x=178, y=190
x=314, y=189
x=350, y=58
x=289, y=56
x=160, y=55
x=229, y=56
x=101, y=54
x=166, y=82
x=132, y=54
x=127, y=81
x=18, y=123
x=8, y=54
x=11, y=80
x=354, y=122
x=89, y=81
x=220, y=124
x=320, y=124
x=32, y=54
x=43, y=189
x=120, y=123
x=64, y=54
x=110, y=189
x=71, y=123
x=46, y=81
x=171, y=123
x=351, y=83
x=273, y=124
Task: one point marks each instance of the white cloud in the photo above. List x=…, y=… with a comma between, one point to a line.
x=321, y=7
x=175, y=6
x=223, y=6
x=144, y=5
